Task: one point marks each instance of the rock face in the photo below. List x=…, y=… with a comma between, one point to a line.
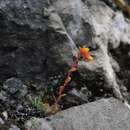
x=29, y=42
x=39, y=39
x=105, y=114
x=13, y=127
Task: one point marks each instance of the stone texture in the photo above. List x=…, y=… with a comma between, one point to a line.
x=14, y=86
x=14, y=127
x=104, y=114
x=34, y=42
x=39, y=39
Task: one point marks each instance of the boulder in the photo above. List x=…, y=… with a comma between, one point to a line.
x=104, y=114
x=34, y=43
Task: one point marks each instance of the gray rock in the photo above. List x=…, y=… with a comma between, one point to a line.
x=104, y=114
x=36, y=124
x=107, y=31
x=5, y=115
x=37, y=40
x=43, y=37
x=15, y=86
x=1, y=121
x=14, y=127
x=3, y=95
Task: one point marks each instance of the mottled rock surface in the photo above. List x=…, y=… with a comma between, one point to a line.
x=38, y=41
x=104, y=114
x=13, y=127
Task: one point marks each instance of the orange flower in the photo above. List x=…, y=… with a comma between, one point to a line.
x=85, y=54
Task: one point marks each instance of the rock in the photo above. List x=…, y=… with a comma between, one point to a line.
x=121, y=54
x=43, y=37
x=37, y=41
x=15, y=86
x=105, y=39
x=1, y=121
x=38, y=125
x=12, y=85
x=3, y=95
x=76, y=97
x=14, y=127
x=105, y=31
x=104, y=114
x=82, y=94
x=110, y=3
x=5, y=115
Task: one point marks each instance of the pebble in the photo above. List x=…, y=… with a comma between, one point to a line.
x=1, y=121
x=5, y=115
x=14, y=127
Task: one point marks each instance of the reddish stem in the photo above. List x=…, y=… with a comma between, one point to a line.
x=73, y=68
